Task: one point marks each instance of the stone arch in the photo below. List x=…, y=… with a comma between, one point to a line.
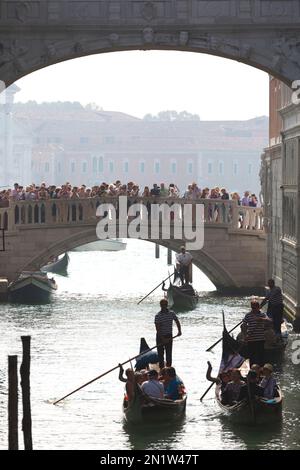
x=248, y=32
x=215, y=271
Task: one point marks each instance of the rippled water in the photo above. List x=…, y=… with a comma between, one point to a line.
x=94, y=323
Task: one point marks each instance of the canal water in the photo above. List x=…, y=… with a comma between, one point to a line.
x=94, y=323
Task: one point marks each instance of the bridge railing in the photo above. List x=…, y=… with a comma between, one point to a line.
x=58, y=212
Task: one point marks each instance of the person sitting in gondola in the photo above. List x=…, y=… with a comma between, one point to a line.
x=258, y=371
x=268, y=383
x=251, y=389
x=153, y=387
x=174, y=387
x=231, y=393
x=224, y=377
x=130, y=382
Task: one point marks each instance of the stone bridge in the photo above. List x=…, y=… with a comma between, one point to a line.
x=38, y=33
x=233, y=255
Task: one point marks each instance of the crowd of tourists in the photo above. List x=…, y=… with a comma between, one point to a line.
x=44, y=192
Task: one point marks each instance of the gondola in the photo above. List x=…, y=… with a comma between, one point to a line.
x=182, y=297
x=143, y=409
x=252, y=411
x=59, y=266
x=32, y=288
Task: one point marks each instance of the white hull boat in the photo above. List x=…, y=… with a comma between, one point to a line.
x=103, y=245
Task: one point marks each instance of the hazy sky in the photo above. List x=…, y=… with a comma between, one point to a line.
x=139, y=82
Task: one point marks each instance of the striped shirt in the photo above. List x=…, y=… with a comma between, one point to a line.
x=255, y=328
x=274, y=296
x=164, y=320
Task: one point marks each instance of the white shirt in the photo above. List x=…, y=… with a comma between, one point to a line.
x=184, y=258
x=153, y=388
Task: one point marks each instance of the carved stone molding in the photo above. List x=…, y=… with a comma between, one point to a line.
x=38, y=33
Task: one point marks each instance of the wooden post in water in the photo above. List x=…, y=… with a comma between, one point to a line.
x=157, y=251
x=169, y=257
x=25, y=385
x=13, y=442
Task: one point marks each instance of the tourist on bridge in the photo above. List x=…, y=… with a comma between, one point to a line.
x=254, y=327
x=274, y=299
x=184, y=261
x=164, y=333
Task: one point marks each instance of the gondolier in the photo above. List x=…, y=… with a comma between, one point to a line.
x=164, y=333
x=184, y=261
x=274, y=299
x=254, y=324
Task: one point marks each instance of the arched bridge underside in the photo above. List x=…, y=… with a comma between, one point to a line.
x=261, y=33
x=233, y=255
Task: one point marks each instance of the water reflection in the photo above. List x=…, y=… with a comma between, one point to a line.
x=153, y=436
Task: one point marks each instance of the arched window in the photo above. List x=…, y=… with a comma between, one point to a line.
x=111, y=167
x=190, y=168
x=126, y=167
x=142, y=167
x=100, y=165
x=173, y=167
x=95, y=165
x=157, y=167
x=84, y=167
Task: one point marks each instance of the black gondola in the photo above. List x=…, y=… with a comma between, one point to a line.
x=253, y=410
x=146, y=409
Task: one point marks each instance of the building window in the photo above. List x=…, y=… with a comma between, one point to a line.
x=95, y=165
x=250, y=168
x=84, y=140
x=157, y=167
x=59, y=167
x=47, y=167
x=111, y=167
x=190, y=168
x=173, y=168
x=84, y=167
x=235, y=168
x=109, y=139
x=142, y=167
x=209, y=168
x=221, y=168
x=100, y=164
x=73, y=167
x=126, y=167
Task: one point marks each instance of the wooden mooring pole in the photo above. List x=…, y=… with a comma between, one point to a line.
x=169, y=257
x=13, y=442
x=25, y=385
x=157, y=251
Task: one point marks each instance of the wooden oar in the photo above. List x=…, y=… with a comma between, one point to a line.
x=213, y=383
x=155, y=289
x=111, y=370
x=217, y=342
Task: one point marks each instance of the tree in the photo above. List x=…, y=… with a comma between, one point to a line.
x=171, y=115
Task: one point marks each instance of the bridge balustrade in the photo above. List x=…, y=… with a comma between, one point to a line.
x=59, y=212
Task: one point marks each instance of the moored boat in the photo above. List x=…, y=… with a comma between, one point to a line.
x=103, y=245
x=58, y=266
x=32, y=287
x=143, y=409
x=182, y=297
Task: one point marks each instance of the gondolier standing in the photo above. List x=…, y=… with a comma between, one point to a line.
x=184, y=261
x=275, y=306
x=164, y=333
x=254, y=324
